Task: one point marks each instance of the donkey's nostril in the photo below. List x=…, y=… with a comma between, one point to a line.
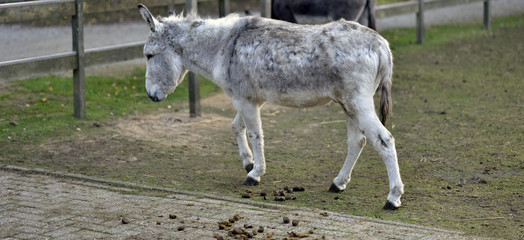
x=154, y=98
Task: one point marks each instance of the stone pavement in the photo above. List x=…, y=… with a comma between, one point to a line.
x=35, y=204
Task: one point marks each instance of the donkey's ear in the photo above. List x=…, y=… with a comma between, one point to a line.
x=146, y=15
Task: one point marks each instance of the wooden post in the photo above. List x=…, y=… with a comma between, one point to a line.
x=265, y=8
x=420, y=22
x=194, y=95
x=223, y=8
x=194, y=81
x=79, y=97
x=487, y=14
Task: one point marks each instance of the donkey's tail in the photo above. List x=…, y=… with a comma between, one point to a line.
x=385, y=72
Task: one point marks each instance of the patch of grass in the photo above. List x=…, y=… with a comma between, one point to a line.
x=36, y=108
x=389, y=1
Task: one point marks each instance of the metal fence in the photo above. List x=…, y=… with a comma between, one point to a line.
x=79, y=58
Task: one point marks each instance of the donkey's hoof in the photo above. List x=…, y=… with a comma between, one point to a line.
x=334, y=188
x=250, y=182
x=249, y=167
x=390, y=206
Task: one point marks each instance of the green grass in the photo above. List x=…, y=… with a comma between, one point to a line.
x=42, y=106
x=389, y=1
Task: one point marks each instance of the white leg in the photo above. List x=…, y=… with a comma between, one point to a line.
x=384, y=144
x=239, y=130
x=356, y=141
x=250, y=112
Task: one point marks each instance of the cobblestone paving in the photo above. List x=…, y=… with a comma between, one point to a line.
x=37, y=206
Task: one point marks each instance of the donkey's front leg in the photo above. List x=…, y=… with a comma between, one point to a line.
x=356, y=141
x=250, y=112
x=239, y=130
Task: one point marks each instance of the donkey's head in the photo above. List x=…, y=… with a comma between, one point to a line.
x=164, y=67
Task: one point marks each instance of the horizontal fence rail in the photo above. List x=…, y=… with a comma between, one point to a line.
x=409, y=7
x=77, y=59
x=27, y=11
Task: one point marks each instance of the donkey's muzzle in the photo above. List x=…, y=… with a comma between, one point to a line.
x=154, y=98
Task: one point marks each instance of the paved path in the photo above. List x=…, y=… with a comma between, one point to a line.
x=56, y=206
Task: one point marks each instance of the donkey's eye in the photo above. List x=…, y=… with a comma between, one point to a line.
x=148, y=56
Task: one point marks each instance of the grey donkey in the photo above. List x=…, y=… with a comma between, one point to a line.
x=257, y=60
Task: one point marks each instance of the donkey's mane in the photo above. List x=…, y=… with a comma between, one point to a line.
x=191, y=17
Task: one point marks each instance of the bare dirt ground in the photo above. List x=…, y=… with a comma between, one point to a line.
x=163, y=127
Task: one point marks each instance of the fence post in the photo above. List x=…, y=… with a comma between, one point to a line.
x=265, y=8
x=223, y=8
x=194, y=80
x=420, y=22
x=487, y=14
x=79, y=97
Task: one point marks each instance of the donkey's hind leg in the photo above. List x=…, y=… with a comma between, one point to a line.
x=356, y=141
x=250, y=113
x=239, y=130
x=384, y=144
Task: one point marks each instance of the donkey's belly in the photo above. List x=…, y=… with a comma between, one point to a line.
x=298, y=100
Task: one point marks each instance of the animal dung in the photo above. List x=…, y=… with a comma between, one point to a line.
x=285, y=220
x=297, y=235
x=298, y=189
x=295, y=223
x=125, y=220
x=172, y=216
x=218, y=237
x=279, y=199
x=224, y=225
x=237, y=217
x=181, y=228
x=246, y=195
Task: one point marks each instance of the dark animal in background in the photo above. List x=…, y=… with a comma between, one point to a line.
x=323, y=11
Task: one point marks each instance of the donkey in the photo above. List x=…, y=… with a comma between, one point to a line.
x=256, y=60
x=322, y=11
